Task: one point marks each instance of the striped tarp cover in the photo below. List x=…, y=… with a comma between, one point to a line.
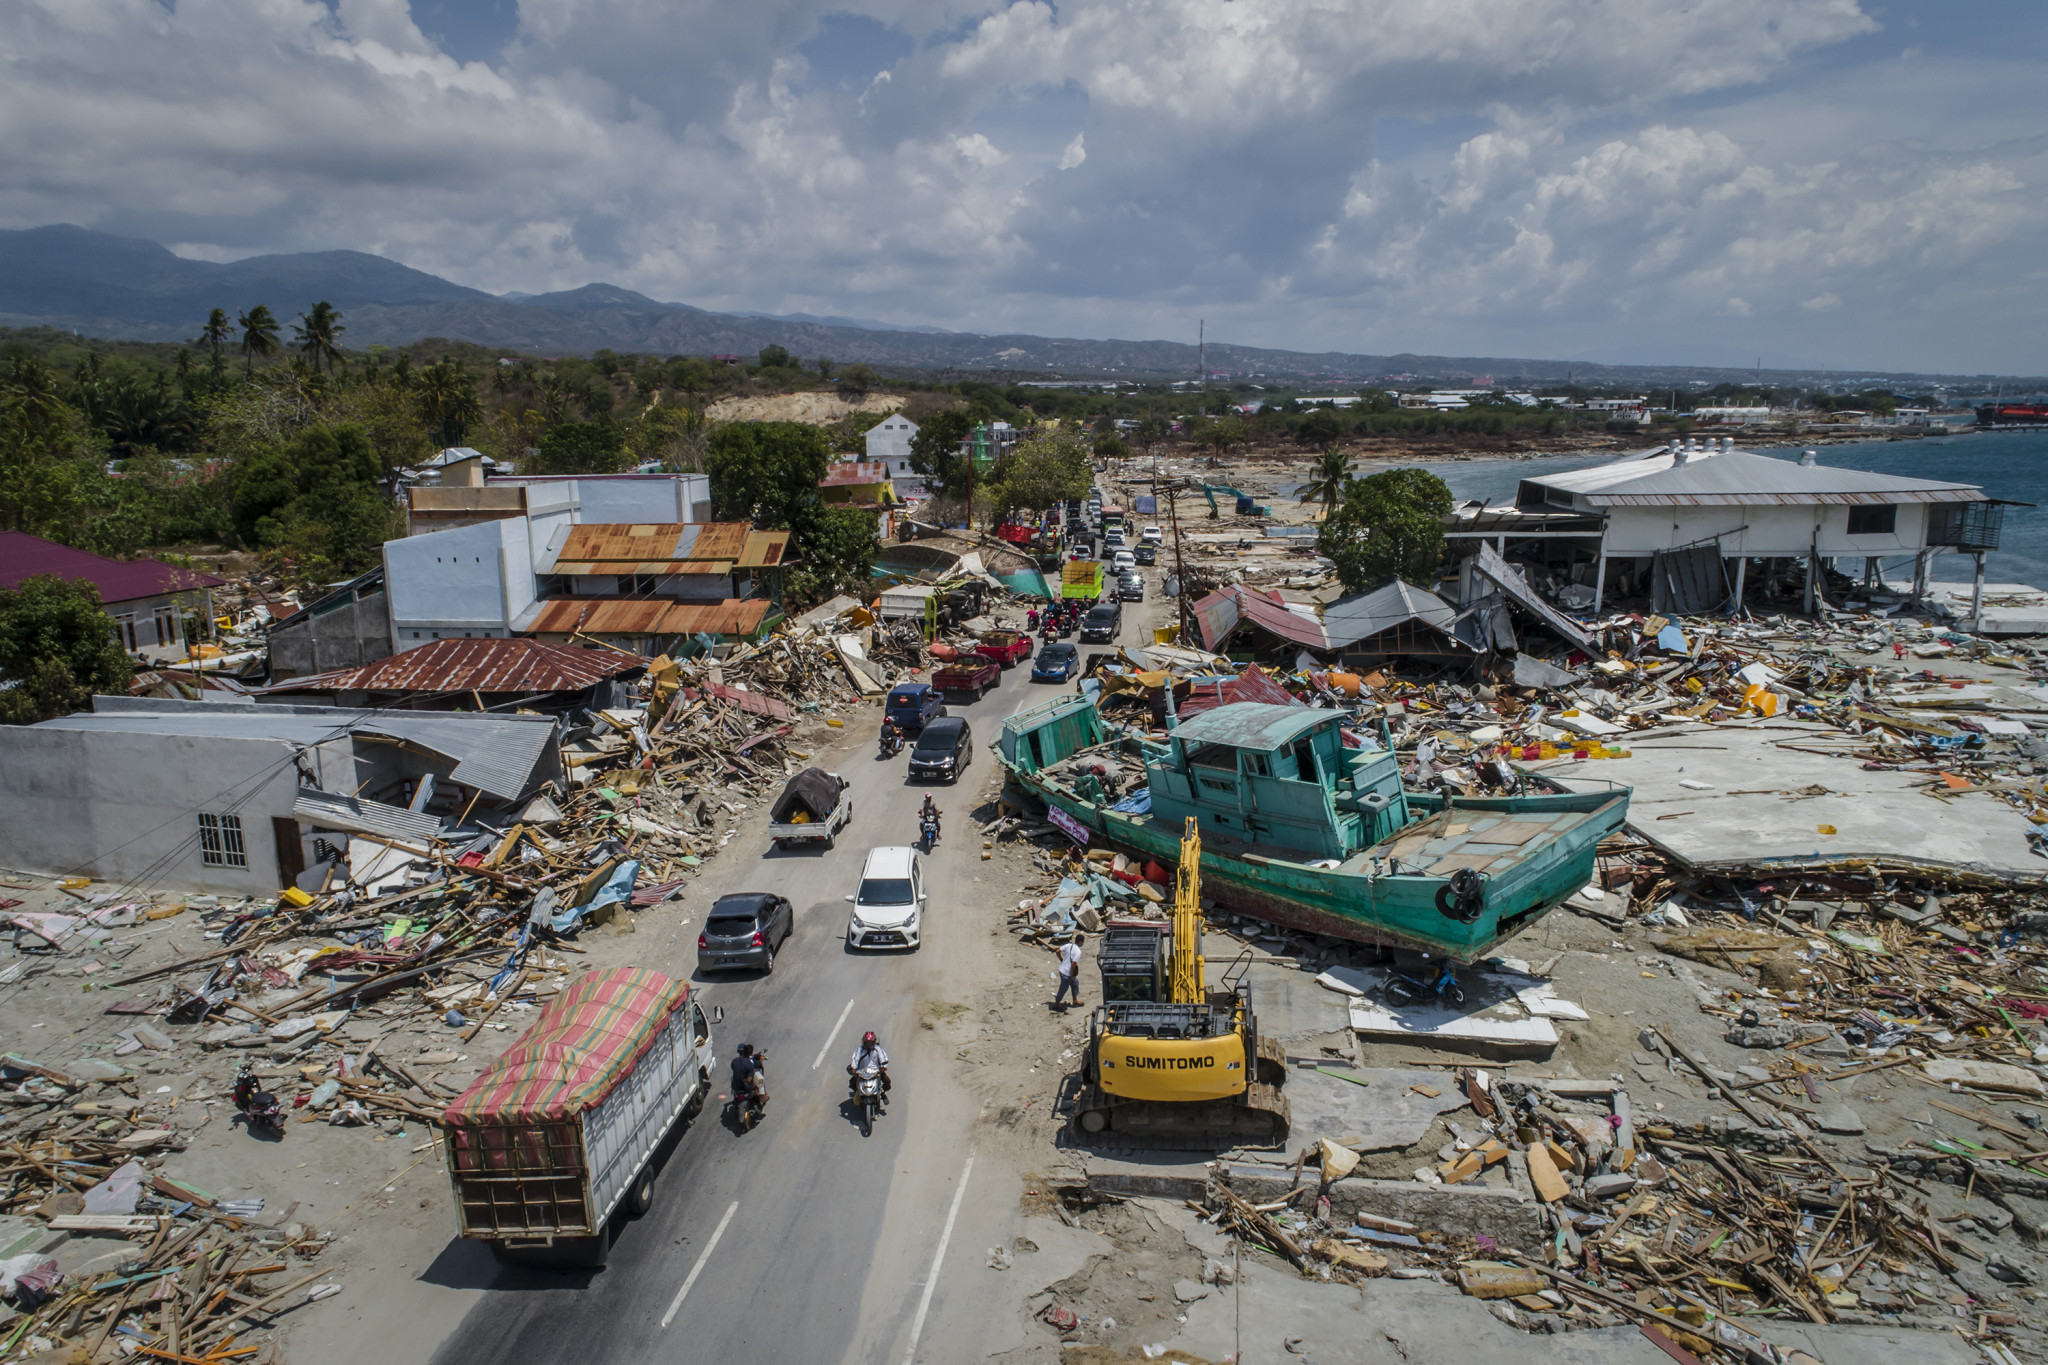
x=585, y=1039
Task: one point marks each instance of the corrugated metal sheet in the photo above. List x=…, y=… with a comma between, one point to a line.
x=496, y=754
x=610, y=616
x=1217, y=620
x=764, y=549
x=1518, y=590
x=332, y=810
x=457, y=498
x=1252, y=685
x=1351, y=619
x=1252, y=725
x=655, y=547
x=1736, y=478
x=492, y=755
x=473, y=665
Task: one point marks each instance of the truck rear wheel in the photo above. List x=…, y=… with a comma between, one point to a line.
x=640, y=1198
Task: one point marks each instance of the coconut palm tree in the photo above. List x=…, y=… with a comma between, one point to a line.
x=448, y=402
x=259, y=335
x=1327, y=477
x=316, y=334
x=215, y=333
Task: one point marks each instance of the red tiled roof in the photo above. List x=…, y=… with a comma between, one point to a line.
x=25, y=556
x=474, y=665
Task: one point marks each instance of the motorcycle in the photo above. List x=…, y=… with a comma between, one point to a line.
x=867, y=1093
x=928, y=833
x=889, y=744
x=748, y=1106
x=1405, y=989
x=258, y=1107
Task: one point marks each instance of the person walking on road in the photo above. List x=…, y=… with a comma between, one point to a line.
x=1069, y=972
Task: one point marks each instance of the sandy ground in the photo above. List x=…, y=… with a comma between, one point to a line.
x=815, y=408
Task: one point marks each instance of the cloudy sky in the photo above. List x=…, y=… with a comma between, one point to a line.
x=1851, y=183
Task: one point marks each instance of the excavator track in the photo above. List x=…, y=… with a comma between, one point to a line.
x=1259, y=1118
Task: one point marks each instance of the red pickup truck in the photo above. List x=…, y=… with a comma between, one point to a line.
x=1006, y=647
x=970, y=674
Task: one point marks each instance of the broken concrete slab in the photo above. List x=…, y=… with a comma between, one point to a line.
x=1511, y=1216
x=1368, y=1109
x=1876, y=814
x=1496, y=1031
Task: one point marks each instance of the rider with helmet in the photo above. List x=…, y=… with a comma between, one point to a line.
x=868, y=1060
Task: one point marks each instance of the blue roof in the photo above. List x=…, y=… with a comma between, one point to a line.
x=1253, y=725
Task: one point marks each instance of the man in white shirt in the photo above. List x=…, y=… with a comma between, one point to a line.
x=1069, y=972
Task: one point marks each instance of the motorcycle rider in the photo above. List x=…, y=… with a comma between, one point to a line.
x=869, y=1060
x=892, y=737
x=929, y=814
x=750, y=1075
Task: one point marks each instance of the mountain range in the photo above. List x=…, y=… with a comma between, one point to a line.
x=127, y=288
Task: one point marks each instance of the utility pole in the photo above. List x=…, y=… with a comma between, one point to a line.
x=1202, y=354
x=1180, y=568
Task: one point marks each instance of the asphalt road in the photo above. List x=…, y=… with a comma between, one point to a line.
x=802, y=1240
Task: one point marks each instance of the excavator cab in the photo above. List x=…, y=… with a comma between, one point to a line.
x=1172, y=1062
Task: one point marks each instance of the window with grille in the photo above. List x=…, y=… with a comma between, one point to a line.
x=220, y=841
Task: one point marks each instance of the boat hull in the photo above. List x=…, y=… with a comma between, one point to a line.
x=1392, y=910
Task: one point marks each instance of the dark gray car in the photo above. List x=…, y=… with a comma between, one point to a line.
x=743, y=930
x=945, y=747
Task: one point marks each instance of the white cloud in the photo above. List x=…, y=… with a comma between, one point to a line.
x=1224, y=158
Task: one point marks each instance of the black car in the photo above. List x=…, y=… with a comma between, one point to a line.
x=943, y=749
x=1130, y=588
x=744, y=930
x=1145, y=553
x=1103, y=621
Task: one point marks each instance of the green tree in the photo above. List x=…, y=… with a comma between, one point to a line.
x=43, y=473
x=1110, y=446
x=1390, y=525
x=857, y=382
x=1319, y=428
x=317, y=335
x=582, y=448
x=837, y=554
x=935, y=454
x=767, y=473
x=670, y=433
x=1327, y=477
x=448, y=402
x=777, y=358
x=315, y=500
x=215, y=333
x=57, y=649
x=1052, y=465
x=259, y=335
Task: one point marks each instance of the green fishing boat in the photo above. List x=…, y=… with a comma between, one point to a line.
x=1301, y=831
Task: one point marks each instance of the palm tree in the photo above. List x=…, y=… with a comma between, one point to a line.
x=1327, y=477
x=448, y=402
x=315, y=334
x=259, y=335
x=215, y=332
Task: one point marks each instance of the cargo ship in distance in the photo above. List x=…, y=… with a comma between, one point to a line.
x=2012, y=415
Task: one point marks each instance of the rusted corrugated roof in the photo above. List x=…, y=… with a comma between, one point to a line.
x=764, y=549
x=657, y=547
x=474, y=666
x=610, y=616
x=1223, y=610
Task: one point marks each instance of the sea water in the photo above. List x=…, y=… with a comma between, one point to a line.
x=2012, y=465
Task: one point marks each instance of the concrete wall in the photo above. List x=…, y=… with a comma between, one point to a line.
x=890, y=438
x=119, y=806
x=468, y=582
x=347, y=637
x=1761, y=530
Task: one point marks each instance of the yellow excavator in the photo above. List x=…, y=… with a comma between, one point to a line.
x=1172, y=1063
